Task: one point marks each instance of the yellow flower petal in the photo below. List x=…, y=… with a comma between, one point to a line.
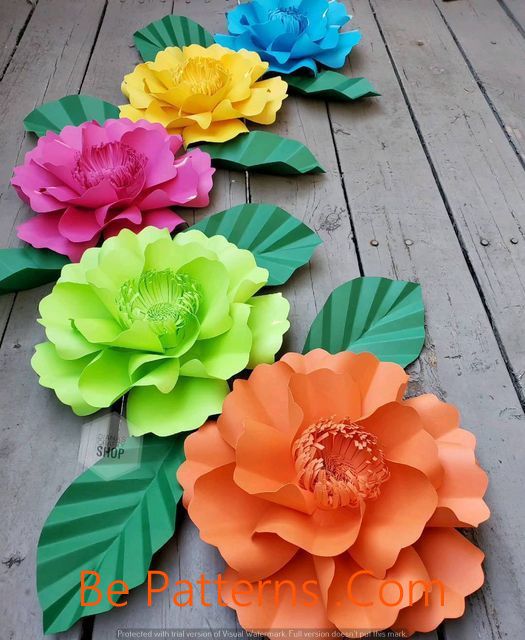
x=217, y=132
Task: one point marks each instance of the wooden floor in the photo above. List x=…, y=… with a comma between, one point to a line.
x=426, y=183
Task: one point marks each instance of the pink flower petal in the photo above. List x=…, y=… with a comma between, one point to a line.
x=78, y=225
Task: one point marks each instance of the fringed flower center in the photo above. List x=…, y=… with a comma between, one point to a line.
x=204, y=76
x=292, y=20
x=167, y=301
x=118, y=162
x=340, y=463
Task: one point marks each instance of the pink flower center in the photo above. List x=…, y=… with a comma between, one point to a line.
x=119, y=163
x=340, y=463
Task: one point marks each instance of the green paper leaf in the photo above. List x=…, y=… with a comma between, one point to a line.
x=279, y=242
x=381, y=316
x=330, y=85
x=25, y=267
x=111, y=519
x=263, y=152
x=70, y=110
x=170, y=31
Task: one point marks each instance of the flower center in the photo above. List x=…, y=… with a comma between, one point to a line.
x=340, y=463
x=292, y=20
x=204, y=76
x=167, y=301
x=115, y=161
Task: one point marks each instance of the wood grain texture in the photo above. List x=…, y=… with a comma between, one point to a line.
x=489, y=39
x=479, y=172
x=394, y=199
x=13, y=18
x=516, y=9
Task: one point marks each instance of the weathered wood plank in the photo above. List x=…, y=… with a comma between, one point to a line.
x=13, y=17
x=395, y=201
x=40, y=436
x=490, y=41
x=516, y=8
x=480, y=174
x=186, y=556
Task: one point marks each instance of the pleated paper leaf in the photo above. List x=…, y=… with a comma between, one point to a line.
x=384, y=317
x=264, y=152
x=25, y=267
x=330, y=85
x=54, y=116
x=171, y=31
x=279, y=242
x=111, y=519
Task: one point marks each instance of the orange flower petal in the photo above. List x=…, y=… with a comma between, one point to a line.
x=265, y=466
x=438, y=417
x=460, y=495
x=205, y=450
x=395, y=520
x=290, y=598
x=323, y=533
x=359, y=603
x=264, y=397
x=378, y=382
x=323, y=393
x=403, y=439
x=227, y=517
x=453, y=560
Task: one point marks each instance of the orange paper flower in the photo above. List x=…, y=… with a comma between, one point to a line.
x=320, y=477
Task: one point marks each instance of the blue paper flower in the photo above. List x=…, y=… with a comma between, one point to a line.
x=291, y=34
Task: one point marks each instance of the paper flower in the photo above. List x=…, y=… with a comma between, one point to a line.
x=291, y=35
x=169, y=320
x=203, y=92
x=316, y=470
x=91, y=181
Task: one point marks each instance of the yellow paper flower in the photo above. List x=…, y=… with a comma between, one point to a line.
x=203, y=92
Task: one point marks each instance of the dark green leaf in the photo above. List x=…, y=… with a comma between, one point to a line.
x=279, y=242
x=25, y=267
x=264, y=152
x=74, y=110
x=170, y=31
x=111, y=519
x=330, y=85
x=384, y=317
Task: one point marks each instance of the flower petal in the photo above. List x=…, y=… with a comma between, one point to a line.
x=268, y=323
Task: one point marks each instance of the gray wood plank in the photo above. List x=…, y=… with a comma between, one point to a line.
x=495, y=50
x=395, y=201
x=39, y=436
x=186, y=556
x=483, y=179
x=516, y=8
x=13, y=18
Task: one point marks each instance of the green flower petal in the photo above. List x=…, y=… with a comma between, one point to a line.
x=69, y=301
x=214, y=308
x=106, y=378
x=187, y=407
x=268, y=323
x=246, y=278
x=158, y=371
x=108, y=332
x=62, y=376
x=167, y=253
x=225, y=355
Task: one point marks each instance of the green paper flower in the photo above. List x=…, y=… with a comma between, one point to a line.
x=168, y=319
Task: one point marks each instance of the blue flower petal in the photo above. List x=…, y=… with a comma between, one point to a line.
x=335, y=58
x=337, y=14
x=239, y=18
x=294, y=65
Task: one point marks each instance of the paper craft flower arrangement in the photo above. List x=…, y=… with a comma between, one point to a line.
x=203, y=93
x=168, y=319
x=326, y=472
x=91, y=181
x=292, y=35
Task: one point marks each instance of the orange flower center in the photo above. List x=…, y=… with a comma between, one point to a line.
x=204, y=76
x=340, y=463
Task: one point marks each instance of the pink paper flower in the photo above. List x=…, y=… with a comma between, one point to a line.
x=90, y=182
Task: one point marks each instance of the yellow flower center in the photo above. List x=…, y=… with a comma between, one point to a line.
x=204, y=76
x=340, y=463
x=167, y=301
